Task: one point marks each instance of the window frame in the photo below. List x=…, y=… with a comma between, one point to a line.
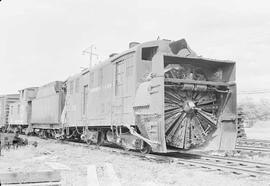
x=85, y=99
x=119, y=77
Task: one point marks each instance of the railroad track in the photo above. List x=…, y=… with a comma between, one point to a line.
x=208, y=162
x=253, y=145
x=232, y=165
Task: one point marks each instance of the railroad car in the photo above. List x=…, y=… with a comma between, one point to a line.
x=47, y=108
x=155, y=95
x=21, y=110
x=5, y=101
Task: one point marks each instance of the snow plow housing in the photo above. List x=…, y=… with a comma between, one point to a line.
x=191, y=102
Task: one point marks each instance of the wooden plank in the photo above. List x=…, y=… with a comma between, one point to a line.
x=30, y=177
x=92, y=179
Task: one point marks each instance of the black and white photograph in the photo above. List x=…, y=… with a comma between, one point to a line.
x=134, y=93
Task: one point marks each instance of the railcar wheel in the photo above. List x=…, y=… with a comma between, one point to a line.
x=146, y=148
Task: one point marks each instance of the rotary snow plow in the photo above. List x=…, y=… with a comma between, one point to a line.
x=199, y=103
x=187, y=102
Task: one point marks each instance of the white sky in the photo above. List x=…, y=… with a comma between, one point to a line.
x=42, y=40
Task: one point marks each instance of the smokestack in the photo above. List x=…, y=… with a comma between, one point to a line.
x=133, y=44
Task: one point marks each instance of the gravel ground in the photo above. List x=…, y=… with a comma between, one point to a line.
x=130, y=170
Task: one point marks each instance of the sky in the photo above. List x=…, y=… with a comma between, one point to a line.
x=43, y=41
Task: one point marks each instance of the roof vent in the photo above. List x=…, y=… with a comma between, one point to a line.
x=133, y=44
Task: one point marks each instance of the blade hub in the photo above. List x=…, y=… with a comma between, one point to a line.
x=189, y=106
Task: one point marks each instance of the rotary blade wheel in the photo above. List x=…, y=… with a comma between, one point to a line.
x=190, y=116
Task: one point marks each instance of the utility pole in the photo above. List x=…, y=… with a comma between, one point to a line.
x=89, y=51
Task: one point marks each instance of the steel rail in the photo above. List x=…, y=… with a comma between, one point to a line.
x=253, y=141
x=256, y=140
x=252, y=149
x=253, y=145
x=233, y=168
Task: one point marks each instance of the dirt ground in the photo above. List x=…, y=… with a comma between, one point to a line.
x=74, y=161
